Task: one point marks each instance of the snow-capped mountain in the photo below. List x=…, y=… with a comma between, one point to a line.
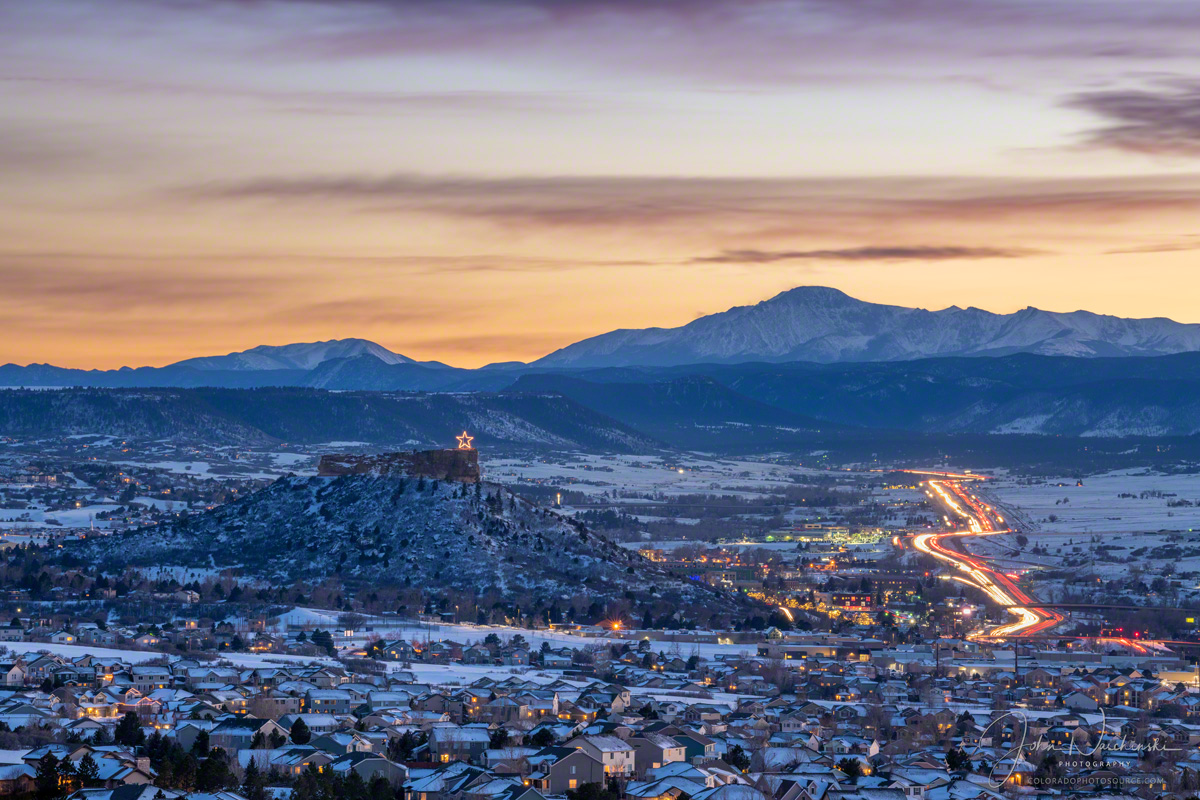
x=303, y=356
x=813, y=323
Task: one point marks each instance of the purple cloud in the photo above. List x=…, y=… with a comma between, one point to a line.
x=724, y=41
x=1162, y=122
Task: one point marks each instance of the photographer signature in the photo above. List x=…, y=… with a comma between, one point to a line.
x=999, y=774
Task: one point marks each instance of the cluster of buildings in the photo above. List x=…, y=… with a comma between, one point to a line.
x=805, y=717
x=84, y=486
x=192, y=634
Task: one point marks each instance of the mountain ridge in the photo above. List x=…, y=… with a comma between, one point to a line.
x=824, y=325
x=806, y=323
x=299, y=355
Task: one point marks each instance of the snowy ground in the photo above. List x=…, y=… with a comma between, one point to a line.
x=269, y=467
x=76, y=650
x=1112, y=526
x=1097, y=507
x=69, y=518
x=595, y=474
x=392, y=628
x=142, y=656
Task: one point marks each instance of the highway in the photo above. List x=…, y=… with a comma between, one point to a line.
x=982, y=520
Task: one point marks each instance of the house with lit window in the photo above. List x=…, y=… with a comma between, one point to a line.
x=459, y=744
x=616, y=755
x=557, y=770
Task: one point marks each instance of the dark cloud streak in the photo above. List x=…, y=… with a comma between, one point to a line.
x=1164, y=121
x=892, y=253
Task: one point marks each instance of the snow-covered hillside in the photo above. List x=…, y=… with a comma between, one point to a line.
x=428, y=539
x=812, y=323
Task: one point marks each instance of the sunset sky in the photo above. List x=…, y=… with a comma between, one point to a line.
x=485, y=180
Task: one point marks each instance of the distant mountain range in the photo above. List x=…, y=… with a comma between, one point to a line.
x=808, y=323
x=716, y=407
x=810, y=360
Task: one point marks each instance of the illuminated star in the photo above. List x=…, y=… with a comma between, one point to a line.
x=464, y=441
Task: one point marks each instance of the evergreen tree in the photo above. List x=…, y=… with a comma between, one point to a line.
x=958, y=760
x=46, y=778
x=166, y=774
x=736, y=757
x=542, y=737
x=353, y=787
x=592, y=791
x=852, y=767
x=129, y=731
x=253, y=784
x=380, y=790
x=300, y=732
x=66, y=775
x=88, y=771
x=323, y=639
x=185, y=773
x=213, y=774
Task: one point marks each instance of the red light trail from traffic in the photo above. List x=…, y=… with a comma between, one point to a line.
x=983, y=520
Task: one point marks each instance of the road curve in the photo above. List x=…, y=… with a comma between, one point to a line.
x=982, y=520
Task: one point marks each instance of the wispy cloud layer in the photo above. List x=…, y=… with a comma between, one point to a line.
x=640, y=202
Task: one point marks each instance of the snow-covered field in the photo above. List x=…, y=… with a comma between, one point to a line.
x=233, y=469
x=76, y=650
x=1098, y=507
x=142, y=656
x=595, y=474
x=69, y=518
x=198, y=468
x=1114, y=525
x=392, y=628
